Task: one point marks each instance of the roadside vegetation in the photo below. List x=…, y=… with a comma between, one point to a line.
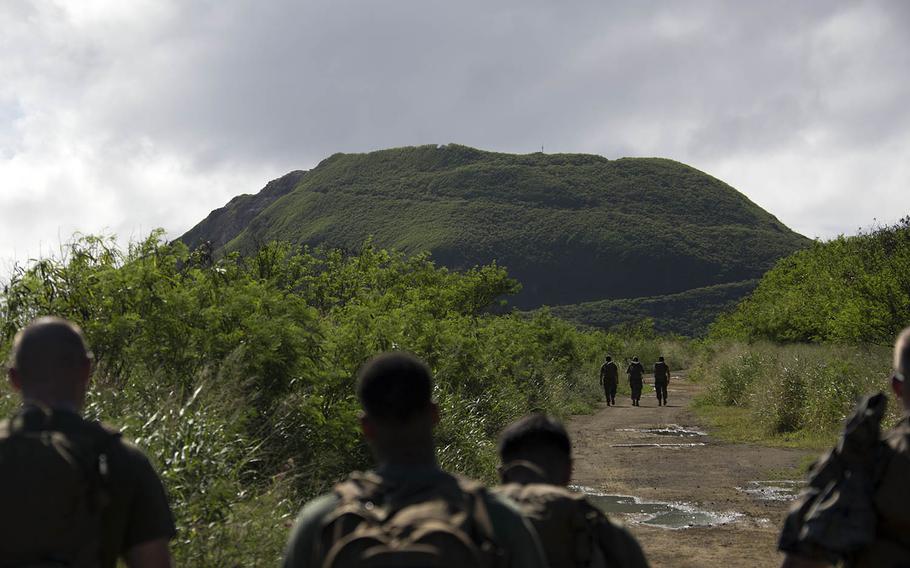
x=235, y=374
x=788, y=364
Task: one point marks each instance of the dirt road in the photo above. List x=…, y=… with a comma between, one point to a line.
x=691, y=478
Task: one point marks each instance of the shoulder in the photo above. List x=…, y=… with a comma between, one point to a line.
x=299, y=550
x=615, y=541
x=514, y=532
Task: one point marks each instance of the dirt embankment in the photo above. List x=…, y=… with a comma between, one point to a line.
x=615, y=453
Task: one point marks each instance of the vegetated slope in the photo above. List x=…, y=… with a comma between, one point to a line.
x=570, y=227
x=849, y=289
x=687, y=313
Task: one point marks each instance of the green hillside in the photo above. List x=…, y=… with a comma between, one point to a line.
x=571, y=228
x=688, y=313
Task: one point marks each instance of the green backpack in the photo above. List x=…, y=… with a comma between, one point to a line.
x=53, y=487
x=439, y=524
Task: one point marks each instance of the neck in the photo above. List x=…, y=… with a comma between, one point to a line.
x=54, y=403
x=407, y=457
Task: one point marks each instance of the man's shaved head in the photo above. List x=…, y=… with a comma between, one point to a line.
x=50, y=361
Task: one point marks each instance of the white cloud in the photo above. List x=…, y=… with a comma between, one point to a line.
x=124, y=116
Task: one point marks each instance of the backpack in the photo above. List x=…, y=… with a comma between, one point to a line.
x=440, y=523
x=565, y=522
x=53, y=487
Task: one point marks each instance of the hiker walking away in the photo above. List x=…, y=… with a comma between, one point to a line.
x=536, y=455
x=856, y=507
x=408, y=511
x=73, y=492
x=661, y=380
x=609, y=380
x=635, y=370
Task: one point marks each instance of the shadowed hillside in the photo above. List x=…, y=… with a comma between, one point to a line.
x=571, y=228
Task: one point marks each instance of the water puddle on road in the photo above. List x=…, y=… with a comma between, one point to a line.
x=656, y=513
x=781, y=490
x=655, y=445
x=670, y=430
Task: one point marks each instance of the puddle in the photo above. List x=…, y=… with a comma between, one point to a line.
x=781, y=490
x=671, y=430
x=655, y=445
x=656, y=514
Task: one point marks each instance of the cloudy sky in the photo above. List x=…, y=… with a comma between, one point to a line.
x=120, y=116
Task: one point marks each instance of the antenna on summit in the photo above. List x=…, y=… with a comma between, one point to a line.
x=541, y=148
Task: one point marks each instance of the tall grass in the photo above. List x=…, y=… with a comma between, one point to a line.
x=791, y=391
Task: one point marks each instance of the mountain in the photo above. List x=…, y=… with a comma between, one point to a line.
x=573, y=228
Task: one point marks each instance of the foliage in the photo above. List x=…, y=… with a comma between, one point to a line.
x=235, y=375
x=847, y=290
x=572, y=228
x=688, y=313
x=794, y=391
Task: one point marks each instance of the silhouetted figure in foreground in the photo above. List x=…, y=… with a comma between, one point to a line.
x=536, y=456
x=408, y=512
x=72, y=492
x=856, y=507
x=636, y=371
x=609, y=380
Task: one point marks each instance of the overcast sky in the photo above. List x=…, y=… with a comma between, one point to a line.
x=122, y=116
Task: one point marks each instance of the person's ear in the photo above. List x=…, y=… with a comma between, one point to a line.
x=85, y=373
x=14, y=379
x=367, y=427
x=434, y=413
x=897, y=386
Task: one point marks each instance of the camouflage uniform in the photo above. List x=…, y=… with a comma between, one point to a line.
x=609, y=380
x=635, y=371
x=661, y=380
x=856, y=508
x=574, y=533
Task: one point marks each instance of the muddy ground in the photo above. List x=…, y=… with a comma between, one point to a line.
x=612, y=456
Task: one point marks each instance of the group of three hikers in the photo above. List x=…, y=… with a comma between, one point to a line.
x=609, y=380
x=74, y=493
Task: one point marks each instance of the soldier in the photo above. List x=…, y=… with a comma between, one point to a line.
x=635, y=370
x=536, y=456
x=73, y=493
x=609, y=380
x=856, y=508
x=661, y=380
x=408, y=512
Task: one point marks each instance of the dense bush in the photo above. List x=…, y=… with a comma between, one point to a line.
x=797, y=389
x=235, y=375
x=847, y=290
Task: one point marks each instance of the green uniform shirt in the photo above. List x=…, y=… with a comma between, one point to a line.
x=138, y=511
x=513, y=533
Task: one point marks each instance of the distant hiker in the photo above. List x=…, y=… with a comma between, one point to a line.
x=72, y=492
x=856, y=508
x=635, y=370
x=408, y=512
x=609, y=380
x=661, y=380
x=536, y=456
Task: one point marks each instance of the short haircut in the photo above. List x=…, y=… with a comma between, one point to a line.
x=661, y=358
x=902, y=353
x=48, y=347
x=609, y=358
x=534, y=434
x=394, y=387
